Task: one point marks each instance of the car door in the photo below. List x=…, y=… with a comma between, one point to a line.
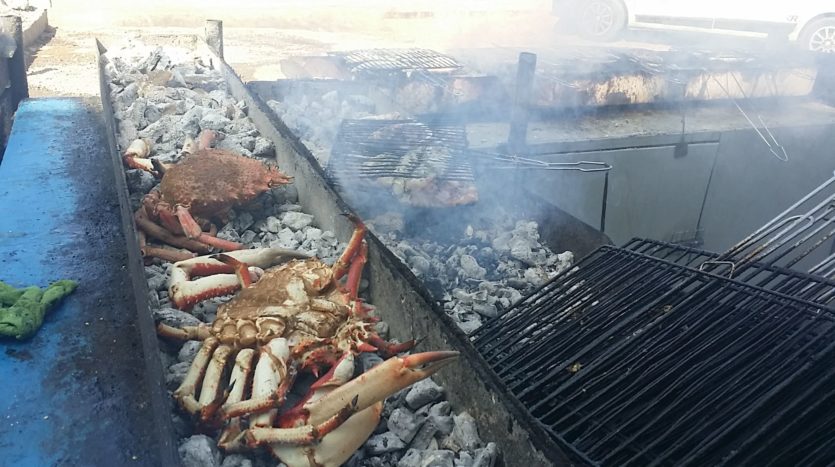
x=688, y=13
x=761, y=17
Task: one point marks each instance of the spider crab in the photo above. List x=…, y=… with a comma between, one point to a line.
x=203, y=186
x=296, y=317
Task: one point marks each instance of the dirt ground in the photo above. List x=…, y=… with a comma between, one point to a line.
x=62, y=63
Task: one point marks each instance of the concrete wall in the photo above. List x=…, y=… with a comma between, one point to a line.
x=751, y=186
x=654, y=194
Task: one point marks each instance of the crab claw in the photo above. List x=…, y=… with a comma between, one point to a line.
x=380, y=382
x=342, y=420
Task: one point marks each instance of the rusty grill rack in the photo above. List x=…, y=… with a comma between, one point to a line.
x=631, y=359
x=396, y=60
x=400, y=149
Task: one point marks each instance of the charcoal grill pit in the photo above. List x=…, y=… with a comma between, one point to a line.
x=395, y=287
x=326, y=207
x=638, y=356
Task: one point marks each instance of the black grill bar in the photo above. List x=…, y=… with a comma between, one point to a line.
x=636, y=357
x=807, y=286
x=399, y=149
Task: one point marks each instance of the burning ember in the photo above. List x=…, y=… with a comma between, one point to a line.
x=166, y=97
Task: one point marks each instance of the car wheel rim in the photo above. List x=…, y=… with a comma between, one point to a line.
x=823, y=40
x=599, y=18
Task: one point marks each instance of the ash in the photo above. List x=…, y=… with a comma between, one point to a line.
x=481, y=273
x=475, y=275
x=166, y=95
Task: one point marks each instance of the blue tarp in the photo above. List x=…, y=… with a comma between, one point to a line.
x=76, y=393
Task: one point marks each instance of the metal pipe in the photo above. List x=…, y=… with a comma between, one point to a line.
x=520, y=113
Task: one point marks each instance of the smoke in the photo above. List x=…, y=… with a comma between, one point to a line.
x=673, y=111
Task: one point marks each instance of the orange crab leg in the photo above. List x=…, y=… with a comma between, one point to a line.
x=388, y=349
x=241, y=268
x=165, y=236
x=224, y=245
x=379, y=383
x=137, y=163
x=355, y=271
x=168, y=218
x=187, y=222
x=341, y=266
x=339, y=373
x=304, y=435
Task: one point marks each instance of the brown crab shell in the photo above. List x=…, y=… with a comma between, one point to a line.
x=212, y=181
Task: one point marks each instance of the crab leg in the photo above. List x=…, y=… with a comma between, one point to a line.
x=230, y=437
x=155, y=231
x=355, y=271
x=193, y=231
x=380, y=382
x=185, y=292
x=344, y=261
x=335, y=448
x=166, y=254
x=269, y=371
x=335, y=442
x=303, y=435
x=186, y=333
x=190, y=227
x=185, y=393
x=168, y=219
x=137, y=163
x=210, y=392
x=241, y=269
x=388, y=349
x=254, y=406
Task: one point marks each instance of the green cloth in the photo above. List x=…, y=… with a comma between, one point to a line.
x=22, y=310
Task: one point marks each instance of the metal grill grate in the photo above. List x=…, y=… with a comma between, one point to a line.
x=631, y=359
x=793, y=238
x=806, y=286
x=399, y=149
x=391, y=60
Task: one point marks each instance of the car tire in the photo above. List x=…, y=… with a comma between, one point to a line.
x=601, y=20
x=819, y=36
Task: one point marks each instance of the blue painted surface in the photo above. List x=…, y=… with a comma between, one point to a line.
x=74, y=394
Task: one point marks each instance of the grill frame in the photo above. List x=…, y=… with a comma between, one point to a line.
x=396, y=60
x=355, y=146
x=686, y=288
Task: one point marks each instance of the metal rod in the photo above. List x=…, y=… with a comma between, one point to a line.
x=520, y=113
x=214, y=36
x=605, y=202
x=745, y=242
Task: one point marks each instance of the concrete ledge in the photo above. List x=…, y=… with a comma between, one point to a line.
x=33, y=30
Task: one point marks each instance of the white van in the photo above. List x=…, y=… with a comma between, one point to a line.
x=811, y=23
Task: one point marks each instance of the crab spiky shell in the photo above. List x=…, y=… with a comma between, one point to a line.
x=287, y=292
x=212, y=181
x=290, y=285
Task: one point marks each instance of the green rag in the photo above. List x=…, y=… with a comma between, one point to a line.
x=22, y=310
